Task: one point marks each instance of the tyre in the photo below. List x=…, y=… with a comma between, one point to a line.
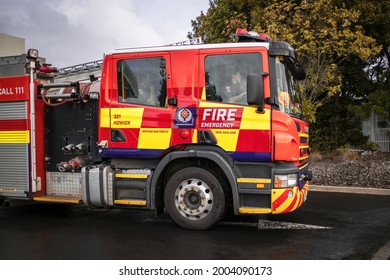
x=194, y=198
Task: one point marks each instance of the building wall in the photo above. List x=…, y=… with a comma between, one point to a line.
x=13, y=66
x=11, y=45
x=12, y=56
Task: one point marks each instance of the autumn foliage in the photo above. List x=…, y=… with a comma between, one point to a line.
x=343, y=45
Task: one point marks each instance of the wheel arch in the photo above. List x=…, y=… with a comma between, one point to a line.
x=177, y=160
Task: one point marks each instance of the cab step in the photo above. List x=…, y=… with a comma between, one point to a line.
x=132, y=187
x=58, y=199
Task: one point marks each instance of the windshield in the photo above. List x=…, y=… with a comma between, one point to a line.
x=287, y=97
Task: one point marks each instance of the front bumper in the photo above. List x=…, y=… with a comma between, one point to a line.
x=288, y=199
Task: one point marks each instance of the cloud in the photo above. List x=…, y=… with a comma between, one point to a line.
x=69, y=32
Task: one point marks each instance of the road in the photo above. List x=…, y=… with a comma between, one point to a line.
x=329, y=226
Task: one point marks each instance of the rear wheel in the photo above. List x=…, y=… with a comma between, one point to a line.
x=194, y=198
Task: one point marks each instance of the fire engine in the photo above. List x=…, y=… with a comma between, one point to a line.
x=190, y=129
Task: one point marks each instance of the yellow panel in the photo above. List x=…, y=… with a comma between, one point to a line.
x=131, y=176
x=154, y=138
x=254, y=180
x=226, y=138
x=131, y=202
x=126, y=117
x=204, y=93
x=105, y=117
x=249, y=210
x=15, y=137
x=195, y=136
x=251, y=120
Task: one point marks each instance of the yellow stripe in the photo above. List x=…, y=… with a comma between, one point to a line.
x=303, y=147
x=287, y=202
x=304, y=166
x=131, y=176
x=57, y=199
x=105, y=117
x=126, y=117
x=204, y=93
x=304, y=135
x=195, y=136
x=121, y=117
x=15, y=137
x=131, y=202
x=302, y=158
x=154, y=138
x=254, y=180
x=249, y=210
x=227, y=138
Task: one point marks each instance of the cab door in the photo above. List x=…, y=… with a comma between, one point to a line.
x=139, y=117
x=239, y=128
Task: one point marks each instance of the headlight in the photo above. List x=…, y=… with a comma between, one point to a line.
x=285, y=181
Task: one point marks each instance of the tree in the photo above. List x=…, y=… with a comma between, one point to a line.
x=339, y=120
x=224, y=17
x=375, y=18
x=323, y=34
x=343, y=45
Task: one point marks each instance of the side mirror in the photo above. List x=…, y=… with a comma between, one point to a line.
x=255, y=90
x=296, y=69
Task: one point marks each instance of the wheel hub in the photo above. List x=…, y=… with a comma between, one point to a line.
x=194, y=199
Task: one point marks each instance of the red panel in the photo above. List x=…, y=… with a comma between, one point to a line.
x=132, y=135
x=253, y=141
x=40, y=144
x=156, y=117
x=220, y=118
x=8, y=125
x=286, y=137
x=182, y=136
x=14, y=88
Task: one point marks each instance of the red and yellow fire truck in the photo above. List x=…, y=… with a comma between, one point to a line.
x=194, y=129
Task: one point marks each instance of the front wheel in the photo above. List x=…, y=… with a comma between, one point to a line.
x=194, y=198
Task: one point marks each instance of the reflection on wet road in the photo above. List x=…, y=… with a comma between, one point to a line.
x=328, y=226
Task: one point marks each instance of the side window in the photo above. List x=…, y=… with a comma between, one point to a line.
x=142, y=81
x=226, y=76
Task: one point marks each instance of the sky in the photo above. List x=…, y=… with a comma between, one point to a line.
x=70, y=32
